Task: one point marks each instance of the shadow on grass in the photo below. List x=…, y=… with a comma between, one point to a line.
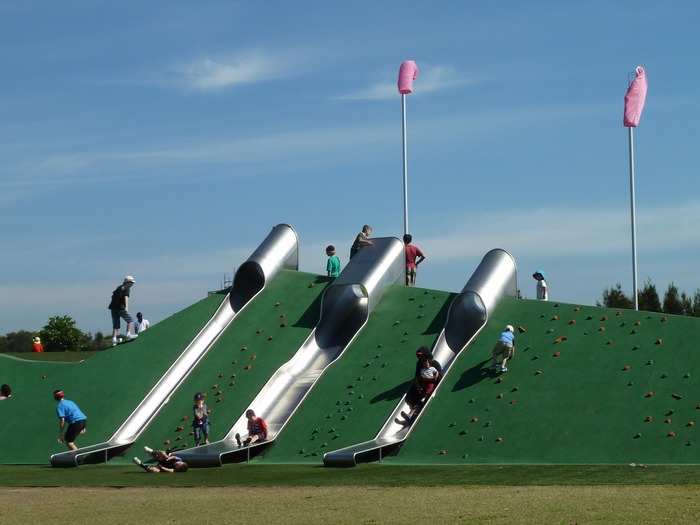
x=473, y=376
x=438, y=322
x=310, y=318
x=393, y=393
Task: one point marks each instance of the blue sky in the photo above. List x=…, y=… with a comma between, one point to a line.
x=164, y=139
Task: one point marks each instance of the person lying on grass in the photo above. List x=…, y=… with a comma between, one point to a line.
x=257, y=430
x=161, y=461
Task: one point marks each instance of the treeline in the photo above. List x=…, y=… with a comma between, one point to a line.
x=673, y=303
x=60, y=334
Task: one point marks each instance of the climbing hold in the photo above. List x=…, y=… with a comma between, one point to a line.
x=664, y=376
x=522, y=329
x=411, y=298
x=367, y=365
x=588, y=318
x=609, y=343
x=258, y=331
x=659, y=342
x=351, y=392
x=535, y=357
x=676, y=396
x=218, y=399
x=688, y=443
x=618, y=313
x=233, y=376
x=632, y=332
x=311, y=285
x=499, y=396
x=350, y=386
x=215, y=386
x=554, y=318
x=269, y=338
x=178, y=438
x=630, y=383
x=283, y=325
x=542, y=316
x=472, y=400
x=277, y=303
x=221, y=375
x=499, y=439
x=601, y=329
x=453, y=424
x=637, y=435
x=669, y=412
x=668, y=421
x=650, y=394
x=179, y=429
x=572, y=321
x=361, y=396
x=234, y=362
x=474, y=419
x=343, y=417
x=166, y=442
x=686, y=375
x=232, y=383
x=374, y=378
x=487, y=424
x=331, y=430
x=637, y=323
x=648, y=419
x=650, y=362
x=329, y=416
x=577, y=309
x=302, y=451
x=514, y=389
x=626, y=368
x=379, y=345
x=346, y=403
x=513, y=401
x=635, y=347
x=244, y=348
x=604, y=318
x=190, y=433
x=538, y=372
x=556, y=354
x=550, y=331
x=384, y=365
x=560, y=339
x=671, y=434
x=482, y=438
x=185, y=418
x=324, y=444
x=219, y=392
x=463, y=432
x=664, y=319
x=247, y=367
x=397, y=323
x=349, y=409
x=690, y=424
x=405, y=333
x=622, y=324
x=442, y=453
x=44, y=376
x=499, y=380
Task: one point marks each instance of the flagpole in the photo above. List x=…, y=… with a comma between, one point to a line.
x=633, y=215
x=405, y=164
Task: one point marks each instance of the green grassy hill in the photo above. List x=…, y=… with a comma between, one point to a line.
x=588, y=385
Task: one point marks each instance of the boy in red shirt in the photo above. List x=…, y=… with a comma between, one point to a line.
x=257, y=429
x=414, y=256
x=37, y=346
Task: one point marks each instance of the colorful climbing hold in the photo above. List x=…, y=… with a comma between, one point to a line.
x=650, y=394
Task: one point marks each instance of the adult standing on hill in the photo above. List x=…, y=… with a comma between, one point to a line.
x=119, y=306
x=361, y=240
x=414, y=256
x=542, y=289
x=68, y=412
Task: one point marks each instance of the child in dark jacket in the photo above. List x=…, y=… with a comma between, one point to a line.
x=200, y=420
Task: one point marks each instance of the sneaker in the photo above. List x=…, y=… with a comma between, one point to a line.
x=238, y=439
x=148, y=450
x=131, y=337
x=115, y=341
x=504, y=369
x=140, y=463
x=405, y=415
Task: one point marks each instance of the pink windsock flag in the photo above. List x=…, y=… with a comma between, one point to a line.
x=408, y=72
x=634, y=98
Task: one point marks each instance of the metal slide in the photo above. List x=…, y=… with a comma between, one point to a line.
x=345, y=308
x=493, y=278
x=279, y=250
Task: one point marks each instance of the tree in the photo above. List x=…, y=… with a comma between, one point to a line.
x=649, y=297
x=687, y=303
x=20, y=341
x=696, y=304
x=60, y=335
x=614, y=297
x=672, y=301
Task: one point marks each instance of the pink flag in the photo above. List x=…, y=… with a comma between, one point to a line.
x=634, y=98
x=408, y=72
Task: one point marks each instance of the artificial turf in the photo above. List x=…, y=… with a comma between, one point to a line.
x=65, y=357
x=363, y=475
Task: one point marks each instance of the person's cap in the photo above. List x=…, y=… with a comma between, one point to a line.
x=129, y=279
x=37, y=340
x=58, y=395
x=198, y=396
x=509, y=328
x=538, y=272
x=422, y=351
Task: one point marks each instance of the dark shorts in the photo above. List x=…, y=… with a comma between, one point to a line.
x=116, y=314
x=74, y=430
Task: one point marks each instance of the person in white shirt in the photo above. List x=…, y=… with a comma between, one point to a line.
x=542, y=289
x=141, y=324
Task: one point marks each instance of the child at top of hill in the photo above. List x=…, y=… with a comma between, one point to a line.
x=162, y=462
x=333, y=263
x=414, y=256
x=257, y=429
x=542, y=290
x=200, y=420
x=37, y=346
x=504, y=349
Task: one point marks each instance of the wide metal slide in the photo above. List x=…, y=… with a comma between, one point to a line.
x=345, y=307
x=495, y=277
x=279, y=250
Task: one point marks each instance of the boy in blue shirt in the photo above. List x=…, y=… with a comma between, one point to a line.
x=504, y=349
x=68, y=412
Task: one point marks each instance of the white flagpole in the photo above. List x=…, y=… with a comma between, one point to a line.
x=405, y=164
x=634, y=219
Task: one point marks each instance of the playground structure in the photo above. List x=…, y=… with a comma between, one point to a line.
x=327, y=364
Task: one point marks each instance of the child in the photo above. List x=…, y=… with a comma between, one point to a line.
x=361, y=240
x=414, y=256
x=257, y=429
x=5, y=392
x=69, y=413
x=165, y=462
x=542, y=291
x=504, y=349
x=200, y=420
x=333, y=263
x=37, y=346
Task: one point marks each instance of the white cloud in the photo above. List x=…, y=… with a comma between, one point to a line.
x=208, y=74
x=435, y=78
